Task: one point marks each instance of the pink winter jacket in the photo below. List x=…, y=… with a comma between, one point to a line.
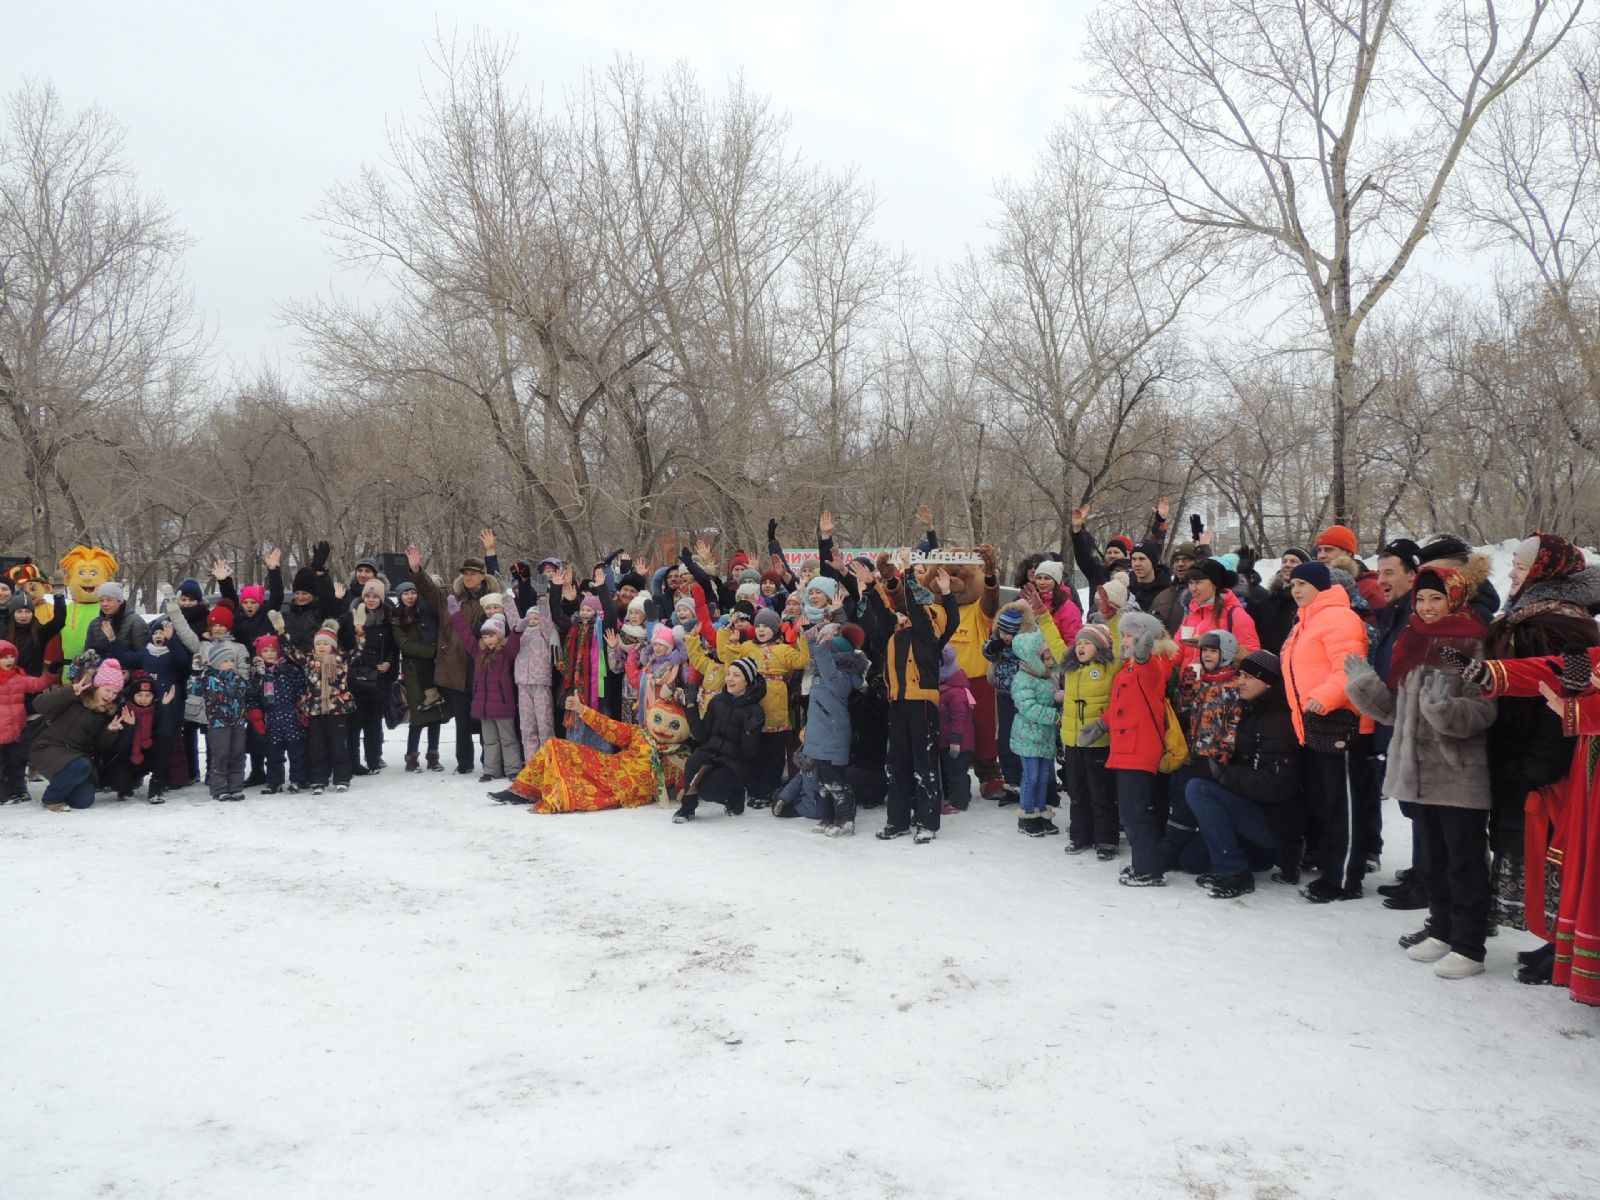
x=539, y=640
x=1235, y=620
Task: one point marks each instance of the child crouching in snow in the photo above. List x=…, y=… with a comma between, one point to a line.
x=1209, y=703
x=132, y=761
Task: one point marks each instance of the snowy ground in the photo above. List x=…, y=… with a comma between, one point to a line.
x=411, y=991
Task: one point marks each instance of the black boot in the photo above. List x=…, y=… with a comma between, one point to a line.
x=1231, y=887
x=1539, y=968
x=434, y=764
x=412, y=765
x=1406, y=897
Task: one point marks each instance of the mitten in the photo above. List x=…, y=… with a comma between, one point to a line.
x=1474, y=670
x=359, y=617
x=275, y=619
x=451, y=604
x=1196, y=527
x=1357, y=667
x=164, y=593
x=319, y=556
x=1436, y=687
x=1575, y=670
x=258, y=722
x=1092, y=733
x=772, y=529
x=522, y=570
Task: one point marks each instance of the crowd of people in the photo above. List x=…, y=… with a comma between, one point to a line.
x=1186, y=713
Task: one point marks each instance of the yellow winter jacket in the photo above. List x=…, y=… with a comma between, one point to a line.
x=712, y=672
x=774, y=660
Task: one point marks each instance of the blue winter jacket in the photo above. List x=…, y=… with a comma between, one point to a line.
x=838, y=673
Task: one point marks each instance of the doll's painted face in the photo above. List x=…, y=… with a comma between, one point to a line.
x=38, y=590
x=667, y=724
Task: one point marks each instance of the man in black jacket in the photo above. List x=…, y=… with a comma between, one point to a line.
x=1254, y=799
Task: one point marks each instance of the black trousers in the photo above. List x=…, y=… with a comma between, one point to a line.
x=1369, y=799
x=768, y=776
x=14, y=766
x=366, y=726
x=913, y=764
x=1334, y=785
x=708, y=778
x=1455, y=864
x=1092, y=796
x=414, y=735
x=461, y=715
x=330, y=749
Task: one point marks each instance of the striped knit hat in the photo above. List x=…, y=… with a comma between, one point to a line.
x=1009, y=621
x=747, y=667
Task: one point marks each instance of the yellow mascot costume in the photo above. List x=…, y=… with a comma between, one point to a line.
x=86, y=568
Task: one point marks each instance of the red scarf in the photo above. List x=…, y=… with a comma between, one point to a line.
x=144, y=731
x=1419, y=642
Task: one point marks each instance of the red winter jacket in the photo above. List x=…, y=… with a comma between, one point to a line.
x=1136, y=714
x=16, y=686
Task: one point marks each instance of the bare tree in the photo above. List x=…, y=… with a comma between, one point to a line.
x=1320, y=136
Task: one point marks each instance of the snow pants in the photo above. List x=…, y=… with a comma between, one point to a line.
x=225, y=756
x=536, y=708
x=1091, y=797
x=502, y=752
x=1136, y=792
x=328, y=749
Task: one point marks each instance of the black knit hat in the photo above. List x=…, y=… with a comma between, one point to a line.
x=1212, y=570
x=1262, y=665
x=305, y=580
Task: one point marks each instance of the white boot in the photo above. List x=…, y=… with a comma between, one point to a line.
x=1456, y=966
x=1428, y=950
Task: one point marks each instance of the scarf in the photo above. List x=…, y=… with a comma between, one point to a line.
x=144, y=730
x=1556, y=558
x=1419, y=642
x=327, y=666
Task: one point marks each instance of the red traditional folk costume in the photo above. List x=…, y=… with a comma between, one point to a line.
x=567, y=777
x=1572, y=810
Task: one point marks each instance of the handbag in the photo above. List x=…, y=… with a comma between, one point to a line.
x=194, y=709
x=398, y=709
x=1331, y=732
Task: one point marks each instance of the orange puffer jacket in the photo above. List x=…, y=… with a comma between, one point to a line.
x=1326, y=632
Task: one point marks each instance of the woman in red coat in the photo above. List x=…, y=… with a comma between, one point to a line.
x=1136, y=719
x=1327, y=632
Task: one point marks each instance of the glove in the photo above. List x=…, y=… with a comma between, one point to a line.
x=1196, y=527
x=772, y=529
x=1436, y=687
x=275, y=619
x=451, y=604
x=319, y=556
x=1092, y=733
x=522, y=570
x=1357, y=667
x=1247, y=560
x=258, y=722
x=1575, y=671
x=1474, y=670
x=164, y=593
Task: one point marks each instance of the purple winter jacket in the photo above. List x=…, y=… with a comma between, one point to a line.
x=494, y=692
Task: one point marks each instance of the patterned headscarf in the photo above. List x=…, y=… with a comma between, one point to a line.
x=1549, y=556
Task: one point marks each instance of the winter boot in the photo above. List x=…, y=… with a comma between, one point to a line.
x=682, y=817
x=1032, y=825
x=1129, y=878
x=1539, y=968
x=888, y=833
x=1105, y=853
x=1457, y=966
x=413, y=766
x=434, y=764
x=1231, y=887
x=923, y=837
x=1076, y=847
x=1320, y=892
x=843, y=829
x=1046, y=825
x=1428, y=950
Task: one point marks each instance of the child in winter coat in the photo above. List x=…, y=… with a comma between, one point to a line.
x=327, y=705
x=280, y=685
x=534, y=668
x=841, y=668
x=15, y=688
x=224, y=685
x=1438, y=762
x=1035, y=730
x=1085, y=692
x=1136, y=719
x=1015, y=618
x=1208, y=704
x=728, y=743
x=133, y=758
x=494, y=690
x=956, y=733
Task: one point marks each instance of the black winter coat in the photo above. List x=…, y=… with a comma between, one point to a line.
x=375, y=645
x=1265, y=766
x=730, y=730
x=300, y=624
x=1274, y=617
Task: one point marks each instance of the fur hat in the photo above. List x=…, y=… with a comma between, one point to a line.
x=1447, y=547
x=1053, y=568
x=329, y=632
x=1147, y=633
x=497, y=599
x=305, y=580
x=253, y=591
x=1262, y=665
x=111, y=590
x=1314, y=573
x=374, y=587
x=1221, y=640
x=220, y=614
x=266, y=641
x=472, y=564
x=1341, y=537
x=108, y=675
x=634, y=580
x=495, y=625
x=747, y=667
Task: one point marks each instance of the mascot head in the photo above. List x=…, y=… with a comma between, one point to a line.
x=25, y=577
x=967, y=579
x=668, y=726
x=86, y=568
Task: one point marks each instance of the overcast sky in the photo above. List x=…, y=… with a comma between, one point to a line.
x=241, y=116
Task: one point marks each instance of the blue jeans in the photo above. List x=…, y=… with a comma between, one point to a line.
x=1136, y=791
x=1035, y=784
x=73, y=785
x=1225, y=819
